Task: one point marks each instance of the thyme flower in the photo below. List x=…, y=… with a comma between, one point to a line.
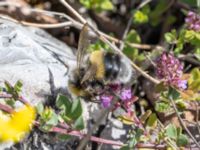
x=106, y=100
x=192, y=21
x=125, y=95
x=170, y=70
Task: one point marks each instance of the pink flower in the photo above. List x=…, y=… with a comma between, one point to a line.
x=126, y=94
x=182, y=84
x=106, y=100
x=169, y=69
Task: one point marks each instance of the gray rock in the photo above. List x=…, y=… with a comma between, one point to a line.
x=34, y=57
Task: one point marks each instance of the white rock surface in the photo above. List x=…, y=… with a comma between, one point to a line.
x=30, y=54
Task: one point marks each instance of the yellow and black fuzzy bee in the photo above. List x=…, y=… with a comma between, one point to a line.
x=99, y=69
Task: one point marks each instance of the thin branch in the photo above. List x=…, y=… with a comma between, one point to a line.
x=81, y=19
x=189, y=58
x=74, y=23
x=144, y=46
x=183, y=124
x=47, y=26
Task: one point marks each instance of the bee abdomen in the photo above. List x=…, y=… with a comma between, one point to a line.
x=112, y=65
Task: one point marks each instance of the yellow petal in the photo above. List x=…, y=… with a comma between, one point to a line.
x=20, y=123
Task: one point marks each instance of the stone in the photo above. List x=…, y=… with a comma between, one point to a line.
x=36, y=58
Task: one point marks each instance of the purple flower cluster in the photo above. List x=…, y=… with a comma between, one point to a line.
x=170, y=70
x=124, y=93
x=193, y=21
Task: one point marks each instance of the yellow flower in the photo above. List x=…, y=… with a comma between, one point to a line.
x=17, y=125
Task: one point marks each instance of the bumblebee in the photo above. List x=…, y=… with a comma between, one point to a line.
x=99, y=69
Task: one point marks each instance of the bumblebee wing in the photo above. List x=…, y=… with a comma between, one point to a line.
x=82, y=45
x=90, y=73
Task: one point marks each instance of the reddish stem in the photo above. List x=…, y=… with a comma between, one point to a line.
x=4, y=95
x=6, y=108
x=23, y=100
x=20, y=98
x=80, y=135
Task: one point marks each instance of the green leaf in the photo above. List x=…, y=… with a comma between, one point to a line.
x=106, y=5
x=173, y=94
x=86, y=3
x=189, y=35
x=64, y=103
x=171, y=131
x=152, y=121
x=132, y=37
x=46, y=114
x=197, y=53
x=40, y=108
x=194, y=80
x=99, y=45
x=162, y=106
x=79, y=123
x=76, y=110
x=11, y=90
x=140, y=17
x=66, y=118
x=179, y=46
x=8, y=87
x=18, y=86
x=53, y=120
x=182, y=140
x=11, y=102
x=97, y=5
x=170, y=37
